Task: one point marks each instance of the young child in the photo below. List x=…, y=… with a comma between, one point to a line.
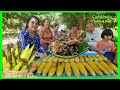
x=106, y=45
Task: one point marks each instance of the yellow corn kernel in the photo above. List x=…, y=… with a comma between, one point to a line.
x=68, y=69
x=52, y=69
x=60, y=68
x=91, y=71
x=102, y=68
x=107, y=67
x=75, y=69
x=47, y=68
x=40, y=69
x=81, y=59
x=77, y=59
x=82, y=68
x=95, y=68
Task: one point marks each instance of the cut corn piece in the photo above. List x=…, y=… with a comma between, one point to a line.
x=90, y=58
x=77, y=59
x=61, y=59
x=102, y=68
x=51, y=58
x=95, y=59
x=91, y=71
x=95, y=68
x=71, y=59
x=75, y=68
x=47, y=68
x=46, y=58
x=60, y=68
x=107, y=67
x=82, y=68
x=81, y=59
x=68, y=69
x=52, y=69
x=56, y=59
x=86, y=59
x=40, y=69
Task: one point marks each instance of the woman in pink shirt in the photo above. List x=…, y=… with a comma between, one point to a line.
x=106, y=45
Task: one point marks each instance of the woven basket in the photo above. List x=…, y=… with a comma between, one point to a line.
x=9, y=73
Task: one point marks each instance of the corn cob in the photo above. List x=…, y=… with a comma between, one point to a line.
x=81, y=59
x=75, y=68
x=40, y=69
x=56, y=60
x=38, y=63
x=46, y=58
x=61, y=59
x=95, y=68
x=103, y=57
x=68, y=69
x=102, y=68
x=60, y=68
x=51, y=58
x=82, y=68
x=91, y=71
x=113, y=67
x=95, y=59
x=47, y=68
x=76, y=59
x=86, y=59
x=24, y=67
x=99, y=58
x=52, y=69
x=71, y=60
x=90, y=58
x=106, y=67
x=66, y=60
x=35, y=66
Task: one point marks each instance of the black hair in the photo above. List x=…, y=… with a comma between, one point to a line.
x=56, y=25
x=107, y=32
x=75, y=25
x=29, y=18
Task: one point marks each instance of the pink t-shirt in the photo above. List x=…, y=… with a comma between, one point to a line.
x=105, y=45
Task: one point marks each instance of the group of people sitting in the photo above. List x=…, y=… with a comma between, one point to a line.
x=97, y=40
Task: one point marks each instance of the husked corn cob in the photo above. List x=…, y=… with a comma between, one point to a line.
x=68, y=69
x=91, y=71
x=46, y=58
x=71, y=60
x=102, y=68
x=60, y=68
x=47, y=68
x=106, y=67
x=76, y=59
x=113, y=67
x=51, y=58
x=40, y=69
x=52, y=69
x=61, y=59
x=86, y=59
x=90, y=58
x=82, y=68
x=66, y=60
x=75, y=68
x=95, y=59
x=81, y=59
x=99, y=58
x=95, y=68
x=56, y=59
x=103, y=57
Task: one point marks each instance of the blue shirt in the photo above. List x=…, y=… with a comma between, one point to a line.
x=26, y=38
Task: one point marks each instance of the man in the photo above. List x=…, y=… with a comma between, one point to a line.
x=93, y=35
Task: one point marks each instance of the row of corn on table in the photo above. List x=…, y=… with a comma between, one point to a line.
x=89, y=66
